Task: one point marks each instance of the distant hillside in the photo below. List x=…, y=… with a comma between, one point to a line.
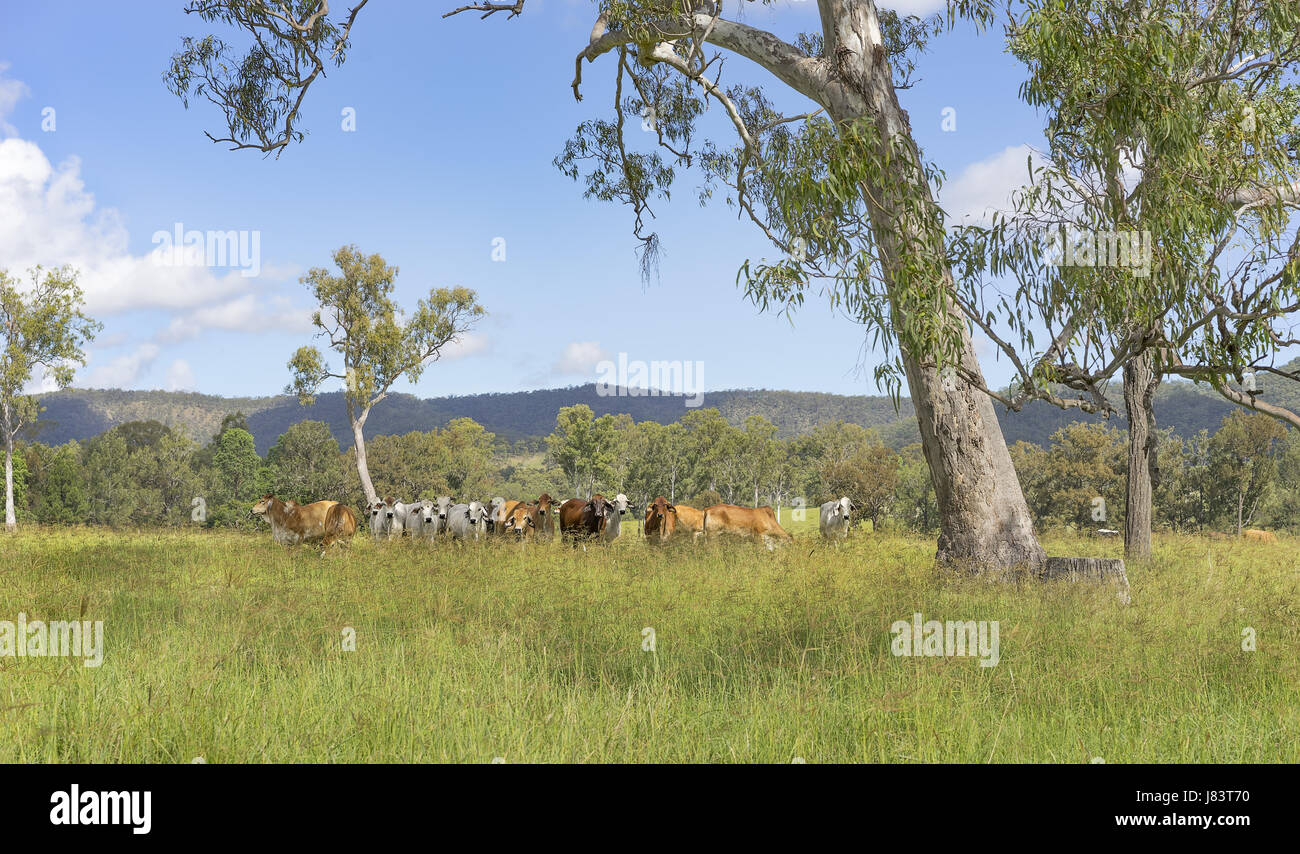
x=81, y=413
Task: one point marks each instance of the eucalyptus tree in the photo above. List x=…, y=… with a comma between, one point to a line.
x=1155, y=238
x=840, y=189
x=378, y=344
x=41, y=327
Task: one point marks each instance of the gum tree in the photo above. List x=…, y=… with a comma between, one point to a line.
x=839, y=189
x=41, y=326
x=1171, y=129
x=377, y=343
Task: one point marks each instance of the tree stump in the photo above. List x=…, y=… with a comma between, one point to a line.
x=1090, y=568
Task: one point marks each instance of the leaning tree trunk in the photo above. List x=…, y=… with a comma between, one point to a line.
x=1140, y=382
x=359, y=445
x=985, y=521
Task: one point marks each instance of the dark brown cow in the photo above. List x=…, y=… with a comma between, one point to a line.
x=582, y=520
x=757, y=522
x=660, y=521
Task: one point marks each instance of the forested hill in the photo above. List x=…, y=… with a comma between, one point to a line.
x=81, y=413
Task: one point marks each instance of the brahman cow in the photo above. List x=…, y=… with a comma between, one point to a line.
x=1257, y=536
x=835, y=516
x=327, y=521
x=583, y=520
x=660, y=521
x=546, y=510
x=757, y=522
x=467, y=521
x=496, y=515
x=522, y=521
x=611, y=524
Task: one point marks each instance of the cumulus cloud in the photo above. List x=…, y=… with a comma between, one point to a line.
x=121, y=371
x=180, y=377
x=580, y=357
x=986, y=186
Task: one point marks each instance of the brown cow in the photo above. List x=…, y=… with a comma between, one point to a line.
x=690, y=519
x=583, y=520
x=660, y=521
x=522, y=521
x=758, y=522
x=1257, y=536
x=546, y=510
x=327, y=521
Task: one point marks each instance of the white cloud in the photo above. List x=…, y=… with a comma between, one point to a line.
x=580, y=357
x=121, y=371
x=180, y=377
x=469, y=344
x=11, y=92
x=986, y=186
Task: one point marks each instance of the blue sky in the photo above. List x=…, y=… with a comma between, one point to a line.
x=457, y=122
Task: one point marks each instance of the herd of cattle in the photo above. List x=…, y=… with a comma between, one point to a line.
x=577, y=520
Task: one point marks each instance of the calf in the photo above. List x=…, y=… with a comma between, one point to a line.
x=757, y=522
x=421, y=519
x=835, y=518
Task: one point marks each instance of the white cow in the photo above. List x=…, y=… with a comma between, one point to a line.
x=419, y=519
x=468, y=521
x=610, y=529
x=497, y=515
x=378, y=510
x=396, y=517
x=835, y=517
x=442, y=510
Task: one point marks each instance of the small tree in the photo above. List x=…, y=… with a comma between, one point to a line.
x=378, y=344
x=42, y=327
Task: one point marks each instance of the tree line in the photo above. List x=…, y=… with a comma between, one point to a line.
x=144, y=473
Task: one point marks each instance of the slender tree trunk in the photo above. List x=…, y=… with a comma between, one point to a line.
x=359, y=444
x=1241, y=500
x=1141, y=380
x=985, y=522
x=11, y=518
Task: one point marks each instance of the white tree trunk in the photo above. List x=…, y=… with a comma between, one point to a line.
x=985, y=521
x=363, y=470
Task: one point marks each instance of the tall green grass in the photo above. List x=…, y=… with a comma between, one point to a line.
x=227, y=647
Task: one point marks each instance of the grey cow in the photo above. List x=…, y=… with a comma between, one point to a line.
x=835, y=517
x=468, y=521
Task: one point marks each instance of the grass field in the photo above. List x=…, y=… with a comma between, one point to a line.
x=227, y=647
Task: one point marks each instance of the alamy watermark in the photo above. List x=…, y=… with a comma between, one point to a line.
x=241, y=249
x=62, y=638
x=637, y=378
x=1130, y=250
x=954, y=638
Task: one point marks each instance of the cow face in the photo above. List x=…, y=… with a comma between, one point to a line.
x=522, y=521
x=390, y=507
x=427, y=511
x=379, y=508
x=477, y=513
x=443, y=506
x=263, y=504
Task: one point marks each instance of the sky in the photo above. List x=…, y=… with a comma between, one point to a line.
x=447, y=167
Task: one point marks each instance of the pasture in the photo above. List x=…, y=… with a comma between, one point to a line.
x=228, y=647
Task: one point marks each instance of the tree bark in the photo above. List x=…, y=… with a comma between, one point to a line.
x=11, y=518
x=985, y=521
x=1141, y=380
